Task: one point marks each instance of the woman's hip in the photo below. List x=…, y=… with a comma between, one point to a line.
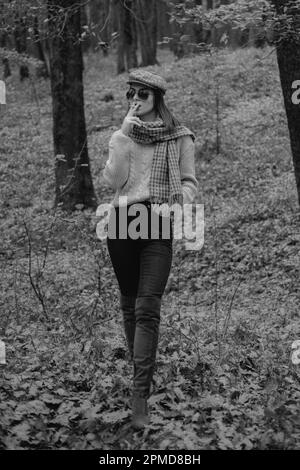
x=139, y=223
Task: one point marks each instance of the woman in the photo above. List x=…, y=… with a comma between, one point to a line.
x=151, y=161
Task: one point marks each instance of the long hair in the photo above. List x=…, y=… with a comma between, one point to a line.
x=163, y=111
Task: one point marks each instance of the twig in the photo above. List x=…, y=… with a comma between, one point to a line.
x=48, y=241
x=72, y=176
x=139, y=20
x=216, y=288
x=183, y=334
x=98, y=128
x=74, y=325
x=31, y=339
x=218, y=117
x=100, y=288
x=15, y=294
x=34, y=285
x=226, y=322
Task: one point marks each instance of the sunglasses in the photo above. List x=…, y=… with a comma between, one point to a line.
x=142, y=94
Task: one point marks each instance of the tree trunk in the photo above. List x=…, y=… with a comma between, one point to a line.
x=119, y=10
x=86, y=43
x=127, y=41
x=3, y=37
x=162, y=28
x=5, y=61
x=72, y=170
x=147, y=30
x=20, y=44
x=106, y=26
x=130, y=36
x=288, y=59
x=45, y=72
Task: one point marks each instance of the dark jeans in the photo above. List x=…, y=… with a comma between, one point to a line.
x=142, y=268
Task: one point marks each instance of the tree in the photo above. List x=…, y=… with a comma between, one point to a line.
x=20, y=42
x=40, y=50
x=5, y=61
x=146, y=13
x=72, y=170
x=288, y=59
x=127, y=42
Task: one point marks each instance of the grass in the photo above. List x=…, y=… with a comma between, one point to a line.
x=230, y=312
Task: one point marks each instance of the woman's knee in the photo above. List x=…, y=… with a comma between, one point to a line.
x=147, y=308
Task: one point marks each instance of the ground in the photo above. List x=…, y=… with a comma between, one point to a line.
x=225, y=378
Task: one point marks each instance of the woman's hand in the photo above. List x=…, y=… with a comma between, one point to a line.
x=131, y=119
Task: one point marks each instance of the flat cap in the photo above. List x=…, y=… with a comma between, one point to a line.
x=151, y=79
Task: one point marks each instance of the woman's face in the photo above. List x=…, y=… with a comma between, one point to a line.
x=146, y=106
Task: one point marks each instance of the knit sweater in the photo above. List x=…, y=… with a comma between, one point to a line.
x=128, y=169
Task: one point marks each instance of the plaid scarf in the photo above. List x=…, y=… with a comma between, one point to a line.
x=165, y=182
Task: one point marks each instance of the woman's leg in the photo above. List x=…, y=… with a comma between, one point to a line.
x=142, y=268
x=125, y=260
x=127, y=303
x=124, y=256
x=155, y=265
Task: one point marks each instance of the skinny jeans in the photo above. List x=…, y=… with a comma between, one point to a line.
x=142, y=267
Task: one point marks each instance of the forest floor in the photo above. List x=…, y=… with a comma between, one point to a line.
x=225, y=377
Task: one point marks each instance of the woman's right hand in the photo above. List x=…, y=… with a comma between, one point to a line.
x=131, y=119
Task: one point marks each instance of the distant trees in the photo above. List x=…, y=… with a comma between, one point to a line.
x=137, y=22
x=56, y=31
x=131, y=28
x=35, y=27
x=20, y=31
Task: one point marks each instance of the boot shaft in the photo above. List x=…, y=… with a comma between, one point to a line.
x=140, y=417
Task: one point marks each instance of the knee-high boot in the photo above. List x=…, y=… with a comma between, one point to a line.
x=128, y=308
x=147, y=312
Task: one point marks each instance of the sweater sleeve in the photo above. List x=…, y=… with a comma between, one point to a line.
x=189, y=182
x=116, y=170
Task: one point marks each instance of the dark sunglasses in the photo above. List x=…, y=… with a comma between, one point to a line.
x=142, y=94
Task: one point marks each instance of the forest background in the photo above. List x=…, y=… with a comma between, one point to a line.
x=227, y=375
